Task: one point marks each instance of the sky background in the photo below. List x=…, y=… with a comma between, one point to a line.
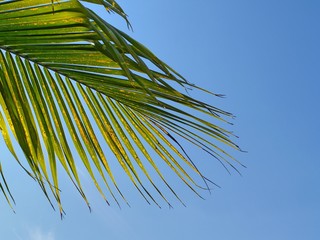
x=265, y=57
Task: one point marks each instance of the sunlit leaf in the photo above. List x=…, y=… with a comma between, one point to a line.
x=71, y=85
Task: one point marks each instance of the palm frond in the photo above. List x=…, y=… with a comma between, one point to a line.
x=70, y=81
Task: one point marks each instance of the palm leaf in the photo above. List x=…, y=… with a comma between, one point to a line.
x=71, y=84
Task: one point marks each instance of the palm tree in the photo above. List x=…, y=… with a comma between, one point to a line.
x=72, y=85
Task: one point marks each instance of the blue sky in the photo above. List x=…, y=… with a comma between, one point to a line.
x=265, y=56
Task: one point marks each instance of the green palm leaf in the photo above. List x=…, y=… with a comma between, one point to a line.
x=71, y=84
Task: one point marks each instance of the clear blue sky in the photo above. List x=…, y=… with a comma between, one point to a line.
x=265, y=56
